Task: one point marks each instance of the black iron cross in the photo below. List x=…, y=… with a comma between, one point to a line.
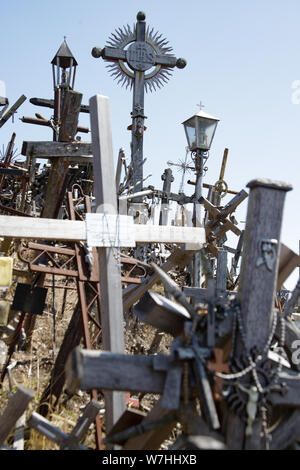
x=146, y=63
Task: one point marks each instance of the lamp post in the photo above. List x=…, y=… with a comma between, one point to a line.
x=64, y=70
x=200, y=130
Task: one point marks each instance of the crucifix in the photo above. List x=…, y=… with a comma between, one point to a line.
x=253, y=306
x=145, y=64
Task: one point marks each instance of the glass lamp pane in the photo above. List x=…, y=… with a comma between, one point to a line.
x=190, y=132
x=205, y=132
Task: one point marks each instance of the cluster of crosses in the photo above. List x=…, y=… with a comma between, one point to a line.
x=231, y=377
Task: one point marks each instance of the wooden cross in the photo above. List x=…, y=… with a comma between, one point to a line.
x=14, y=410
x=12, y=110
x=258, y=283
x=256, y=296
x=44, y=228
x=199, y=294
x=220, y=188
x=151, y=374
x=143, y=55
x=167, y=178
x=219, y=222
x=218, y=366
x=67, y=441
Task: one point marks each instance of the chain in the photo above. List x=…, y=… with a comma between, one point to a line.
x=264, y=424
x=237, y=321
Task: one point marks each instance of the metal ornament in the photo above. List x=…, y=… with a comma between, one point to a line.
x=267, y=249
x=140, y=56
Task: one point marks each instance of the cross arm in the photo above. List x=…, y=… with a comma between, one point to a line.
x=89, y=370
x=166, y=61
x=109, y=53
x=12, y=110
x=44, y=149
x=15, y=408
x=47, y=123
x=42, y=425
x=50, y=104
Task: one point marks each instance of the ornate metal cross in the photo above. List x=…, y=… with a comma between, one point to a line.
x=140, y=59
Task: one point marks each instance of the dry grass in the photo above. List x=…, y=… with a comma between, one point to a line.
x=33, y=367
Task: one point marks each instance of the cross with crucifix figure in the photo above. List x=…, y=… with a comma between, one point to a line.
x=145, y=64
x=256, y=377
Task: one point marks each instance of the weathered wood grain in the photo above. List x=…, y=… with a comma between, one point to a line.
x=257, y=283
x=109, y=269
x=153, y=439
x=48, y=149
x=45, y=427
x=15, y=408
x=177, y=258
x=88, y=369
x=287, y=432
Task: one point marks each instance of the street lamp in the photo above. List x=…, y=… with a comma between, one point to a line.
x=200, y=130
x=64, y=67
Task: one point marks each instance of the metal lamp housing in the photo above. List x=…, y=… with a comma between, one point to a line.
x=200, y=130
x=64, y=67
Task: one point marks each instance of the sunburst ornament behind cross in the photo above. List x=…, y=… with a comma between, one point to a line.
x=151, y=55
x=140, y=59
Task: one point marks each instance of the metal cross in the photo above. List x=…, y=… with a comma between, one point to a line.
x=146, y=63
x=201, y=106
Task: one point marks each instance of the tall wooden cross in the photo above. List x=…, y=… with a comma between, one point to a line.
x=110, y=276
x=146, y=63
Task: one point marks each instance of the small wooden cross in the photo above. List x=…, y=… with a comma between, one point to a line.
x=218, y=366
x=14, y=410
x=67, y=441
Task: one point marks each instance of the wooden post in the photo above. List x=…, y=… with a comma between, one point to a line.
x=109, y=269
x=258, y=279
x=14, y=410
x=258, y=283
x=221, y=271
x=59, y=168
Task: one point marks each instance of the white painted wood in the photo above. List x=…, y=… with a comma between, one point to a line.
x=105, y=230
x=51, y=229
x=194, y=236
x=109, y=265
x=39, y=228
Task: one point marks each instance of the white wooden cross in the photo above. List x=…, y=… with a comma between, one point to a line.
x=108, y=231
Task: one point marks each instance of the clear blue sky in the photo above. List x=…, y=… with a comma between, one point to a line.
x=243, y=58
